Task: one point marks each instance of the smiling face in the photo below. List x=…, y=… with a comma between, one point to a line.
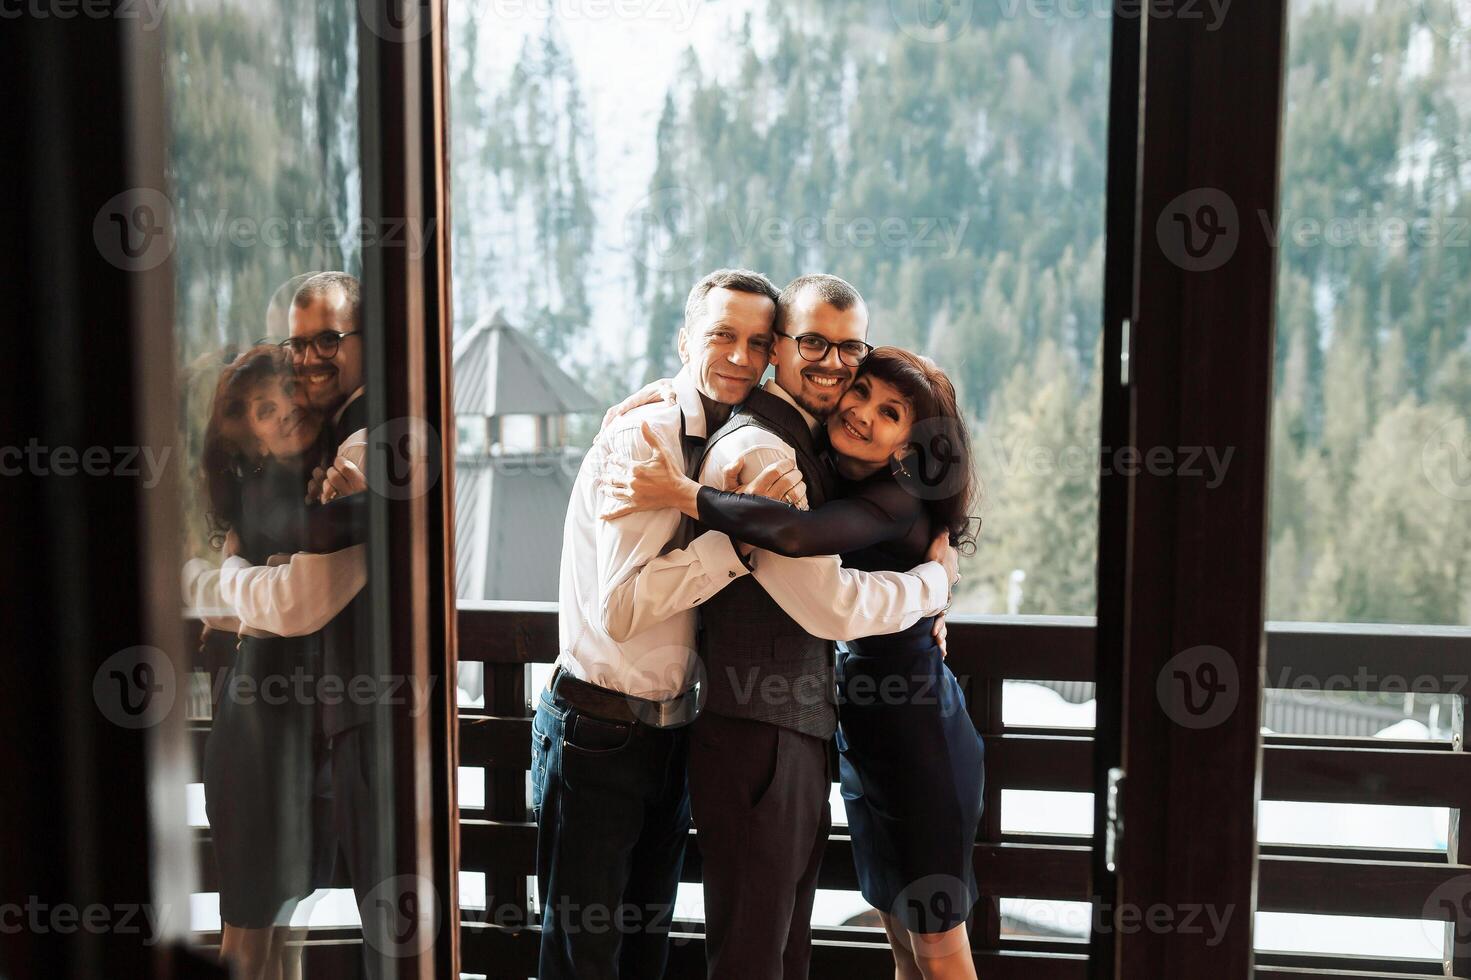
x=326, y=382
x=872, y=422
x=818, y=385
x=279, y=424
x=729, y=347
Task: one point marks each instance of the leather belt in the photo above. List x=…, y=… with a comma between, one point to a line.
x=608, y=705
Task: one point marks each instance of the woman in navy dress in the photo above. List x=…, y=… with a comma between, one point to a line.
x=911, y=763
x=264, y=753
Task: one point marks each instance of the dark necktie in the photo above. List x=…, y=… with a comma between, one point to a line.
x=694, y=451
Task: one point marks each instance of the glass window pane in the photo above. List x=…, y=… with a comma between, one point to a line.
x=603, y=162
x=289, y=706
x=1370, y=481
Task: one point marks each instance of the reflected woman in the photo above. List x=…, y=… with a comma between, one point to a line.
x=911, y=762
x=265, y=748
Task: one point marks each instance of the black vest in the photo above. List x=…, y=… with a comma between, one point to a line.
x=346, y=640
x=759, y=663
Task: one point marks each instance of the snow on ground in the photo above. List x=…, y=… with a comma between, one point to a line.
x=1030, y=705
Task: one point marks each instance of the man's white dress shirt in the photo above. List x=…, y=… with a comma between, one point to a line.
x=629, y=587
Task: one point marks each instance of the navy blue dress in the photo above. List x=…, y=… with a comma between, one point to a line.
x=264, y=757
x=912, y=767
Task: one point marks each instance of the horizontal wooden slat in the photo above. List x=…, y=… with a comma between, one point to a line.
x=1398, y=890
x=1309, y=973
x=1368, y=656
x=1288, y=884
x=508, y=633
x=1336, y=852
x=1042, y=871
x=495, y=743
x=1042, y=648
x=512, y=952
x=1012, y=761
x=1378, y=775
x=1299, y=966
x=1316, y=655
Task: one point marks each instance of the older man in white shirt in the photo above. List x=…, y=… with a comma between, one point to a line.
x=608, y=744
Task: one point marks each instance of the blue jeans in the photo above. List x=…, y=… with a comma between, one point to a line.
x=612, y=811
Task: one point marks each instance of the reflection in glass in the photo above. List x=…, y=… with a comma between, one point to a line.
x=264, y=195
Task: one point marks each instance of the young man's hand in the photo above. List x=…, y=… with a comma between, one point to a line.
x=342, y=479
x=661, y=390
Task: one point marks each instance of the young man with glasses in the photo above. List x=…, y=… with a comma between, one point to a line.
x=759, y=775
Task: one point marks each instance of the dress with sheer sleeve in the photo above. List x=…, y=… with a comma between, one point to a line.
x=875, y=513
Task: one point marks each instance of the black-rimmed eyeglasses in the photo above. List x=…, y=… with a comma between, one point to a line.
x=814, y=347
x=325, y=343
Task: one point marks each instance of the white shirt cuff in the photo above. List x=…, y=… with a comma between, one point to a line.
x=717, y=555
x=937, y=587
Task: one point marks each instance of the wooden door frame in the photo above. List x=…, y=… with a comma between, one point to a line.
x=1182, y=565
x=408, y=329
x=92, y=562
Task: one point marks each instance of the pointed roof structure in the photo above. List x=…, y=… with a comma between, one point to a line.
x=510, y=506
x=499, y=370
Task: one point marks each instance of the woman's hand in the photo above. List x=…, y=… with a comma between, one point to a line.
x=661, y=390
x=650, y=484
x=942, y=551
x=232, y=543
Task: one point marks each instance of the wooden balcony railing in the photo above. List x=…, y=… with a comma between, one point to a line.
x=502, y=939
x=984, y=654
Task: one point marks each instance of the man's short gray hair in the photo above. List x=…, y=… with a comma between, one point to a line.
x=324, y=284
x=835, y=292
x=741, y=280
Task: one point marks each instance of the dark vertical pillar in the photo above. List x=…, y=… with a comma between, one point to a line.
x=93, y=844
x=411, y=565
x=1188, y=611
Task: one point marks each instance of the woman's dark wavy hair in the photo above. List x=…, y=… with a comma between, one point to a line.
x=939, y=443
x=227, y=455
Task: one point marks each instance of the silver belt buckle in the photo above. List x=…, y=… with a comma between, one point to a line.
x=675, y=711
